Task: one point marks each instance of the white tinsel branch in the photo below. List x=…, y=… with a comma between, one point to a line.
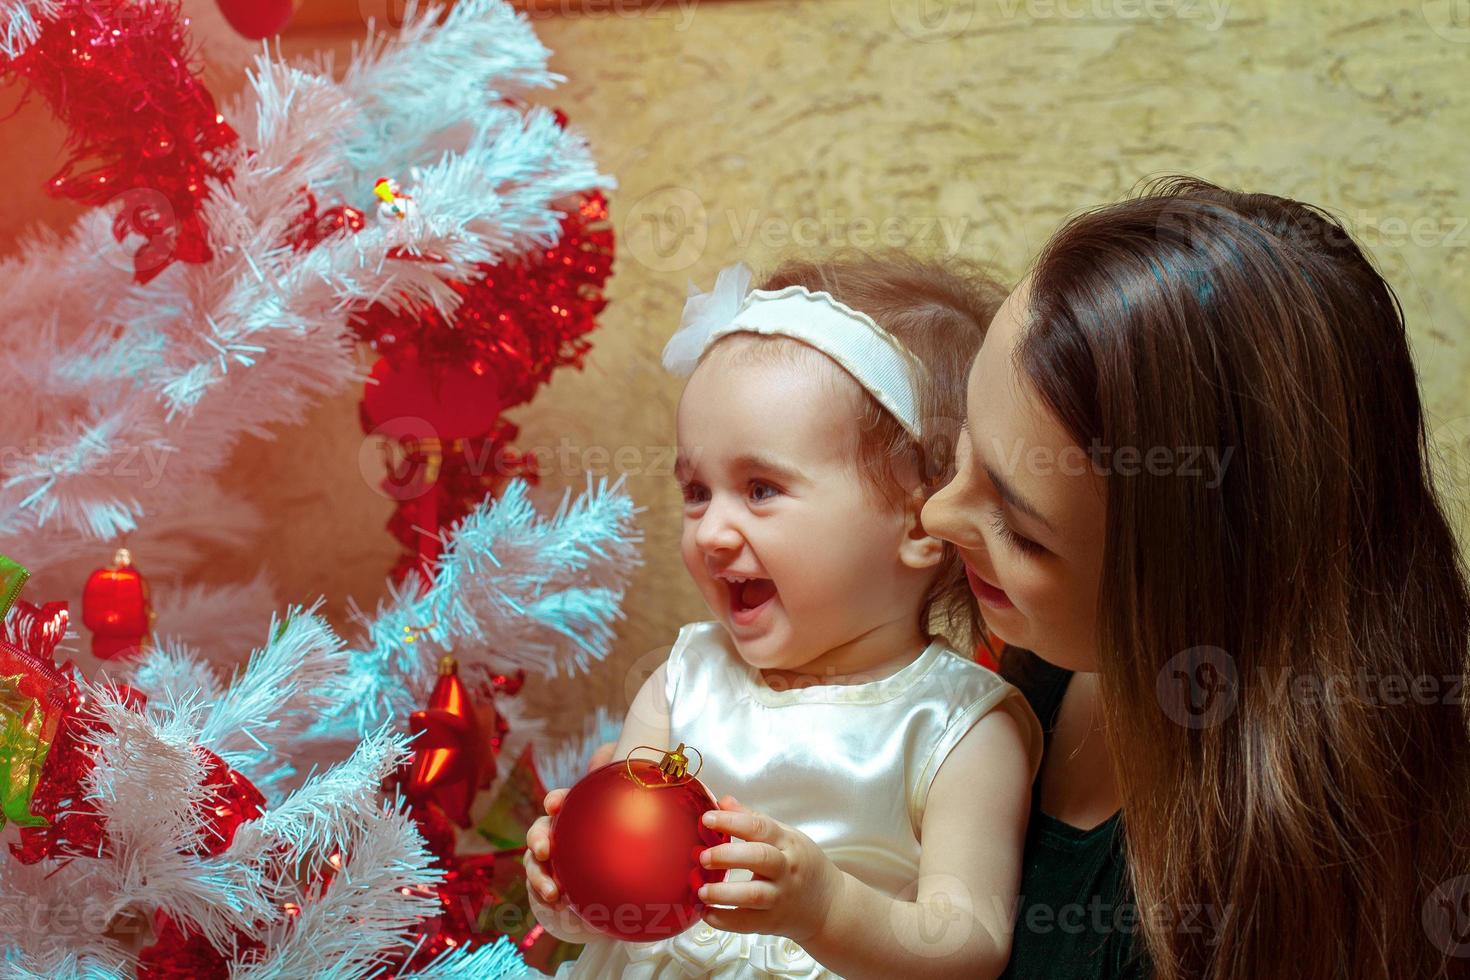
x=324, y=815
x=498, y=960
x=512, y=590
x=351, y=927
x=20, y=23
x=62, y=964
x=419, y=85
x=148, y=787
x=276, y=698
x=565, y=763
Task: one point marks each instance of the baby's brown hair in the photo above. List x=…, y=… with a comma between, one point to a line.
x=939, y=310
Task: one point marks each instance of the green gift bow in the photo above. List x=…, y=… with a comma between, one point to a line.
x=12, y=580
x=22, y=748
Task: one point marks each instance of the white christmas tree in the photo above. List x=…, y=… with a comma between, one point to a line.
x=109, y=378
x=330, y=876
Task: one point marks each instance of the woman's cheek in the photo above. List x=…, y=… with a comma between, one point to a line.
x=1030, y=592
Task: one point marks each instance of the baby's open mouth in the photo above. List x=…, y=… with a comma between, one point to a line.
x=750, y=595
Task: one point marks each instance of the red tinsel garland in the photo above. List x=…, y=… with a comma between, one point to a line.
x=518, y=321
x=142, y=126
x=75, y=826
x=182, y=953
x=516, y=324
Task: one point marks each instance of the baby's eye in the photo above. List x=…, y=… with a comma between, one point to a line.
x=694, y=493
x=757, y=485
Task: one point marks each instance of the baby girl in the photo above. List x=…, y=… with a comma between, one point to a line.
x=883, y=776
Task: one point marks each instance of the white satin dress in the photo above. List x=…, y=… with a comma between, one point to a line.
x=849, y=765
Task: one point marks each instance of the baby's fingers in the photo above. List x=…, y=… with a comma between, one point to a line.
x=538, y=838
x=553, y=801
x=539, y=881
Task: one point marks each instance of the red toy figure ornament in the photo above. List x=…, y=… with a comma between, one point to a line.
x=627, y=844
x=116, y=609
x=452, y=753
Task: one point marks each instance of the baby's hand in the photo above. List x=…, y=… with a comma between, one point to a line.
x=547, y=901
x=538, y=852
x=795, y=882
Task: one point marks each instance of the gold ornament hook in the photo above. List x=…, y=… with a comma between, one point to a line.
x=673, y=764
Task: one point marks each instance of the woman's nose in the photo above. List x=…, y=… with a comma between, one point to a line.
x=945, y=515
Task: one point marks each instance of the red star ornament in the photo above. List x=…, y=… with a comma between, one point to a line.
x=452, y=755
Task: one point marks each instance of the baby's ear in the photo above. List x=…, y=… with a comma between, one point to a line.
x=918, y=549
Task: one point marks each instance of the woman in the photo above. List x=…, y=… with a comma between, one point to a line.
x=1194, y=484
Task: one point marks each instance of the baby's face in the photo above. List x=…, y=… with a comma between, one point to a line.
x=772, y=495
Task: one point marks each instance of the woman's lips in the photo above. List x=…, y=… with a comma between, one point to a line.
x=985, y=592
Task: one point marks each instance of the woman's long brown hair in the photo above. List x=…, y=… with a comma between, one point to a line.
x=1317, y=813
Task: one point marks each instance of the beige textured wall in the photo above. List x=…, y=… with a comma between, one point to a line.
x=749, y=128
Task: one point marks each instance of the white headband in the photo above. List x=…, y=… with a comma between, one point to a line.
x=872, y=355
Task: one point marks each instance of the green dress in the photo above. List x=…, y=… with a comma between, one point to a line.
x=1076, y=919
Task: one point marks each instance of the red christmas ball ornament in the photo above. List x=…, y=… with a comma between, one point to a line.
x=257, y=19
x=626, y=846
x=116, y=608
x=456, y=401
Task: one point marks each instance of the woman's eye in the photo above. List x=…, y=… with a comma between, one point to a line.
x=757, y=485
x=1017, y=541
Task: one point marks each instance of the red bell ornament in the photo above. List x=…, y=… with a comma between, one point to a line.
x=116, y=608
x=626, y=845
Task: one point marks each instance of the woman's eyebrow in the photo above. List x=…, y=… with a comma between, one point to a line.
x=1009, y=495
x=1007, y=492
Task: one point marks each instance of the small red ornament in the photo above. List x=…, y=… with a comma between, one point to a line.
x=257, y=19
x=626, y=846
x=231, y=801
x=452, y=753
x=116, y=608
x=314, y=226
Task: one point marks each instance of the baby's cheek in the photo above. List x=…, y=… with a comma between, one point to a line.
x=688, y=550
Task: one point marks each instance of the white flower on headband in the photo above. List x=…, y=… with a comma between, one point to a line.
x=704, y=313
x=873, y=356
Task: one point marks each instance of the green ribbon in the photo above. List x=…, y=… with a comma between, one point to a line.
x=23, y=747
x=22, y=753
x=12, y=580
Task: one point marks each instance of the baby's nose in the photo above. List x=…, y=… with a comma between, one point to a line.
x=716, y=533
